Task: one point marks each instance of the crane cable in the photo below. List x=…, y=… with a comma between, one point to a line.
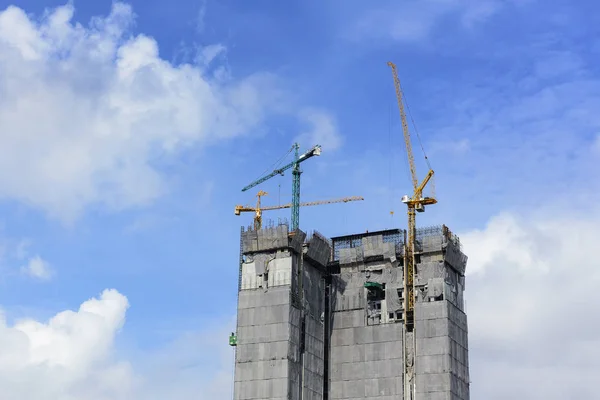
x=432, y=185
x=391, y=161
x=277, y=163
x=415, y=126
x=406, y=163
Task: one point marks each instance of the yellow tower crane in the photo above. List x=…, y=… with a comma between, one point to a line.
x=415, y=203
x=258, y=209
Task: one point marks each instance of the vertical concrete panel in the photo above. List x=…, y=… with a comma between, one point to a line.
x=441, y=331
x=366, y=361
x=264, y=330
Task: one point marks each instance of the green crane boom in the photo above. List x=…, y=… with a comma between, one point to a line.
x=295, y=165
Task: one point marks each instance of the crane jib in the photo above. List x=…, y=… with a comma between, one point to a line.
x=259, y=209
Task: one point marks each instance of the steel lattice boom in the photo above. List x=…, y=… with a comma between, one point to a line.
x=258, y=209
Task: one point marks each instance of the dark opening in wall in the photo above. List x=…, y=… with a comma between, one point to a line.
x=375, y=295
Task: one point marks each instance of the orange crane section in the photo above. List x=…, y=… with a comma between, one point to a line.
x=258, y=209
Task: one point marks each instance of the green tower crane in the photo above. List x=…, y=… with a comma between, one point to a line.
x=314, y=151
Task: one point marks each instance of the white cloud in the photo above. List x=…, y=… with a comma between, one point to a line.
x=200, y=19
x=149, y=222
x=66, y=357
x=209, y=53
x=21, y=249
x=17, y=253
x=525, y=142
x=479, y=11
x=456, y=147
x=322, y=129
x=85, y=112
x=414, y=21
x=532, y=306
x=37, y=268
x=12, y=249
x=72, y=356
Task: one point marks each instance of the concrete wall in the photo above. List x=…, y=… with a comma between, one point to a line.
x=306, y=353
x=442, y=365
x=313, y=357
x=261, y=367
x=280, y=347
x=366, y=354
x=442, y=356
x=267, y=322
x=366, y=359
x=282, y=316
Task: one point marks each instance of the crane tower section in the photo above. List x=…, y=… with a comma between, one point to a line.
x=415, y=202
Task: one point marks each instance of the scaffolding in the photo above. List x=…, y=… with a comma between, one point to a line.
x=438, y=230
x=395, y=236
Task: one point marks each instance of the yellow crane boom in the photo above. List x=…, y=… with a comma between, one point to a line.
x=409, y=152
x=258, y=209
x=415, y=203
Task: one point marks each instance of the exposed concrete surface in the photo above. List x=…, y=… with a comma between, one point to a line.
x=282, y=336
x=280, y=348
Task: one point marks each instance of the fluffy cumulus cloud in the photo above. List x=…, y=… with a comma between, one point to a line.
x=68, y=356
x=532, y=306
x=72, y=356
x=321, y=129
x=87, y=111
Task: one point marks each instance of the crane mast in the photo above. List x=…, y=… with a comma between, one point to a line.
x=415, y=203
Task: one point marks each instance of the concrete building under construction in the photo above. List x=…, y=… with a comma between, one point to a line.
x=322, y=318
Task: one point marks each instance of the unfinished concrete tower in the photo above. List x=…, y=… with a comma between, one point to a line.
x=322, y=319
x=442, y=355
x=280, y=336
x=366, y=357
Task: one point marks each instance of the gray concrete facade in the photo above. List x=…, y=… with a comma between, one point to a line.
x=366, y=359
x=322, y=319
x=280, y=336
x=442, y=361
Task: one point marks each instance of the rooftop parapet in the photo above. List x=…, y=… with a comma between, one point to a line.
x=271, y=238
x=361, y=247
x=441, y=239
x=319, y=249
x=434, y=237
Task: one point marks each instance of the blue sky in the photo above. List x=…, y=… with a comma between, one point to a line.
x=127, y=140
